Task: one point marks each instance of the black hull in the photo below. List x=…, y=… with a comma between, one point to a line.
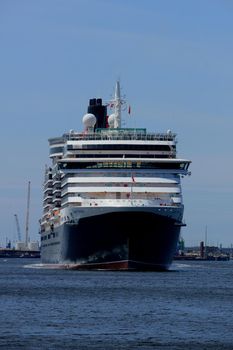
x=118, y=240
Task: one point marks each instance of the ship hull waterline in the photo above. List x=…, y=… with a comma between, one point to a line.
x=114, y=241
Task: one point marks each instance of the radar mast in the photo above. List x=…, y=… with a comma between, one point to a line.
x=117, y=105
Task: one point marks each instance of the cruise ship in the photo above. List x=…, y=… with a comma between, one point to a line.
x=112, y=195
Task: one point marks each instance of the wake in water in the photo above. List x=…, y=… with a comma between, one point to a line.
x=178, y=266
x=43, y=266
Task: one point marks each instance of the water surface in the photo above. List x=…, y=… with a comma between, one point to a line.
x=189, y=307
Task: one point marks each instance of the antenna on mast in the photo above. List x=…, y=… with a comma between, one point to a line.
x=117, y=103
x=117, y=106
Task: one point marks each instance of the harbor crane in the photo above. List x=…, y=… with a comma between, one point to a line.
x=27, y=216
x=27, y=220
x=17, y=227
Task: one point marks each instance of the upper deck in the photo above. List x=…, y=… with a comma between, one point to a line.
x=114, y=134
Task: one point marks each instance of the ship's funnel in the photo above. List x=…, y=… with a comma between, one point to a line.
x=100, y=112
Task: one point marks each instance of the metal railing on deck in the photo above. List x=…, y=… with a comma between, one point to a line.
x=115, y=134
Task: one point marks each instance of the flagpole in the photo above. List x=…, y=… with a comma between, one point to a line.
x=131, y=192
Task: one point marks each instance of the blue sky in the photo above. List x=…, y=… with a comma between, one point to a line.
x=175, y=62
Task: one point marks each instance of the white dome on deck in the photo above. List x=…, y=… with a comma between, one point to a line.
x=89, y=120
x=111, y=120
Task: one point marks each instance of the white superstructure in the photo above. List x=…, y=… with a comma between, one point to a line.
x=109, y=169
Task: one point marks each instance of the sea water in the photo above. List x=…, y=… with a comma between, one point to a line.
x=189, y=307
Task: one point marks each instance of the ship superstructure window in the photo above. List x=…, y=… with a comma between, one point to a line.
x=125, y=155
x=122, y=164
x=120, y=150
x=142, y=147
x=56, y=150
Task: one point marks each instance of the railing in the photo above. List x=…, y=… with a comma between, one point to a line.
x=135, y=202
x=111, y=134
